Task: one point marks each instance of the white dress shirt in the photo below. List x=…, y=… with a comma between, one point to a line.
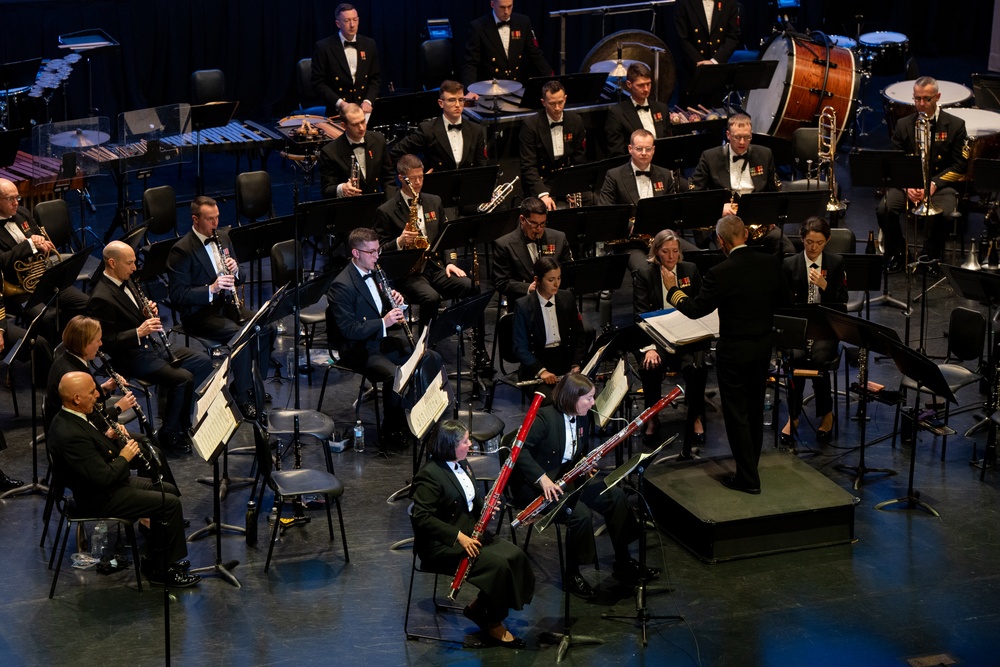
x=644, y=183
x=455, y=139
x=739, y=173
x=463, y=479
x=552, y=337
x=504, y=35
x=569, y=451
x=645, y=117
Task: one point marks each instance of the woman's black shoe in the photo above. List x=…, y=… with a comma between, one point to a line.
x=699, y=438
x=786, y=439
x=824, y=436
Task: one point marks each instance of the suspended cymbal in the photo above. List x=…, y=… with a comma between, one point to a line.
x=610, y=66
x=79, y=138
x=495, y=88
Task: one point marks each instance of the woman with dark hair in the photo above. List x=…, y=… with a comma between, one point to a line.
x=649, y=294
x=557, y=441
x=447, y=503
x=814, y=276
x=548, y=332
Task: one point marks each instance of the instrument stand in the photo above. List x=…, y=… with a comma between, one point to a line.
x=642, y=617
x=790, y=334
x=219, y=567
x=36, y=486
x=226, y=483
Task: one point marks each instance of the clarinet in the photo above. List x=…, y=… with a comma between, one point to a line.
x=492, y=501
x=146, y=306
x=532, y=512
x=123, y=388
x=378, y=275
x=123, y=436
x=223, y=256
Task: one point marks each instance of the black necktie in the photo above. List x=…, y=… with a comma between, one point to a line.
x=642, y=173
x=737, y=158
x=455, y=127
x=501, y=24
x=555, y=124
x=350, y=45
x=361, y=146
x=641, y=108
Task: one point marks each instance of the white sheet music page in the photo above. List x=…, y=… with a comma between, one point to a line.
x=588, y=369
x=217, y=427
x=612, y=395
x=218, y=380
x=675, y=328
x=405, y=372
x=429, y=408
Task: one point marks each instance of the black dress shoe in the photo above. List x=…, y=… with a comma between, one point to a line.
x=895, y=264
x=579, y=587
x=249, y=411
x=699, y=438
x=173, y=577
x=8, y=483
x=730, y=483
x=178, y=443
x=786, y=439
x=823, y=436
x=515, y=643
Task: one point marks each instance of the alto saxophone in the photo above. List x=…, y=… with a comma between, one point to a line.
x=421, y=242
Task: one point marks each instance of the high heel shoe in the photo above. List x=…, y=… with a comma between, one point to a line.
x=786, y=439
x=824, y=435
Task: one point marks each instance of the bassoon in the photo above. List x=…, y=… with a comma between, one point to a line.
x=533, y=512
x=492, y=501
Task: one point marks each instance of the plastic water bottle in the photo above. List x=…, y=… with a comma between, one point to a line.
x=359, y=437
x=99, y=540
x=767, y=408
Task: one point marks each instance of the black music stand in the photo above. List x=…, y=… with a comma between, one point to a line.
x=732, y=77
x=35, y=486
x=887, y=169
x=683, y=151
x=639, y=464
x=681, y=211
x=462, y=188
x=705, y=259
x=10, y=143
x=926, y=374
x=337, y=217
x=781, y=208
x=205, y=117
x=580, y=178
x=219, y=568
x=866, y=336
x=594, y=274
x=252, y=243
x=404, y=109
x=864, y=274
x=455, y=319
x=56, y=279
x=591, y=224
x=581, y=89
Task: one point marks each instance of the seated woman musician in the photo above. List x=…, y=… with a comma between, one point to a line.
x=557, y=441
x=814, y=276
x=649, y=294
x=447, y=503
x=549, y=339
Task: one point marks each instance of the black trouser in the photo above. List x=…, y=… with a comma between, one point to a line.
x=821, y=354
x=139, y=499
x=893, y=205
x=176, y=385
x=427, y=289
x=742, y=370
x=695, y=379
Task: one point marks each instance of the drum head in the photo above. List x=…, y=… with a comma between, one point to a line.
x=978, y=122
x=952, y=94
x=765, y=104
x=882, y=37
x=607, y=49
x=841, y=40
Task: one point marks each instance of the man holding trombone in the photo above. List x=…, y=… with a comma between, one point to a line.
x=938, y=138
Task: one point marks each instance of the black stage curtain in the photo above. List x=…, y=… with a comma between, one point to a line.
x=257, y=42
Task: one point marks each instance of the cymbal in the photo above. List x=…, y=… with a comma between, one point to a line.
x=79, y=138
x=495, y=88
x=609, y=66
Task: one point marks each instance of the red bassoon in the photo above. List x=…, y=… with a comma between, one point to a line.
x=533, y=512
x=492, y=501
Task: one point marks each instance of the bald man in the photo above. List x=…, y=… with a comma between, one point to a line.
x=97, y=470
x=134, y=338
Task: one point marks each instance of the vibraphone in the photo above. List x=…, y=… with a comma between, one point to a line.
x=236, y=136
x=35, y=178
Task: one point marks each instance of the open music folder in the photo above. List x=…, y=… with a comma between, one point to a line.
x=612, y=395
x=671, y=328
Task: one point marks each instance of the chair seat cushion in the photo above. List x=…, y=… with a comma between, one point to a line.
x=955, y=375
x=306, y=482
x=485, y=426
x=311, y=422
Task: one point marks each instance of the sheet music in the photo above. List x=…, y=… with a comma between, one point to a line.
x=612, y=394
x=214, y=388
x=429, y=408
x=672, y=328
x=405, y=372
x=217, y=427
x=589, y=368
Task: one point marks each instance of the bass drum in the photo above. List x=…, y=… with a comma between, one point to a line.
x=802, y=86
x=607, y=49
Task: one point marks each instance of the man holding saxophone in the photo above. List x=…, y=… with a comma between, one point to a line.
x=945, y=157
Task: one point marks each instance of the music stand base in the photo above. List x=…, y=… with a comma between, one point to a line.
x=221, y=569
x=643, y=618
x=212, y=527
x=33, y=489
x=565, y=640
x=861, y=470
x=402, y=493
x=401, y=543
x=888, y=300
x=913, y=502
x=226, y=483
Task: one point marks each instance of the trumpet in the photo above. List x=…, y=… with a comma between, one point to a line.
x=826, y=150
x=378, y=275
x=146, y=306
x=500, y=193
x=223, y=256
x=923, y=135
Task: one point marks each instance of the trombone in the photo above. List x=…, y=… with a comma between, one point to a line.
x=826, y=150
x=923, y=131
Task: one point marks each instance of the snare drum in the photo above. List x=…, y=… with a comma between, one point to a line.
x=899, y=99
x=884, y=53
x=983, y=130
x=844, y=42
x=797, y=93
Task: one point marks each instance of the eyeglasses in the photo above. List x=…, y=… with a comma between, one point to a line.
x=926, y=99
x=11, y=198
x=375, y=253
x=741, y=137
x=453, y=100
x=642, y=149
x=534, y=225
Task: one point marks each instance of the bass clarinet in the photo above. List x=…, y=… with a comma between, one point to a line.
x=492, y=501
x=146, y=306
x=533, y=512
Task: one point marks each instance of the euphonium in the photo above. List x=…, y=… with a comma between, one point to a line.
x=923, y=134
x=501, y=192
x=826, y=149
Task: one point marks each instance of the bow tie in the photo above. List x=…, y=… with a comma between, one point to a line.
x=367, y=276
x=555, y=124
x=350, y=45
x=208, y=241
x=737, y=158
x=501, y=24
x=548, y=304
x=641, y=108
x=361, y=145
x=642, y=173
x=572, y=420
x=457, y=126
x=814, y=265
